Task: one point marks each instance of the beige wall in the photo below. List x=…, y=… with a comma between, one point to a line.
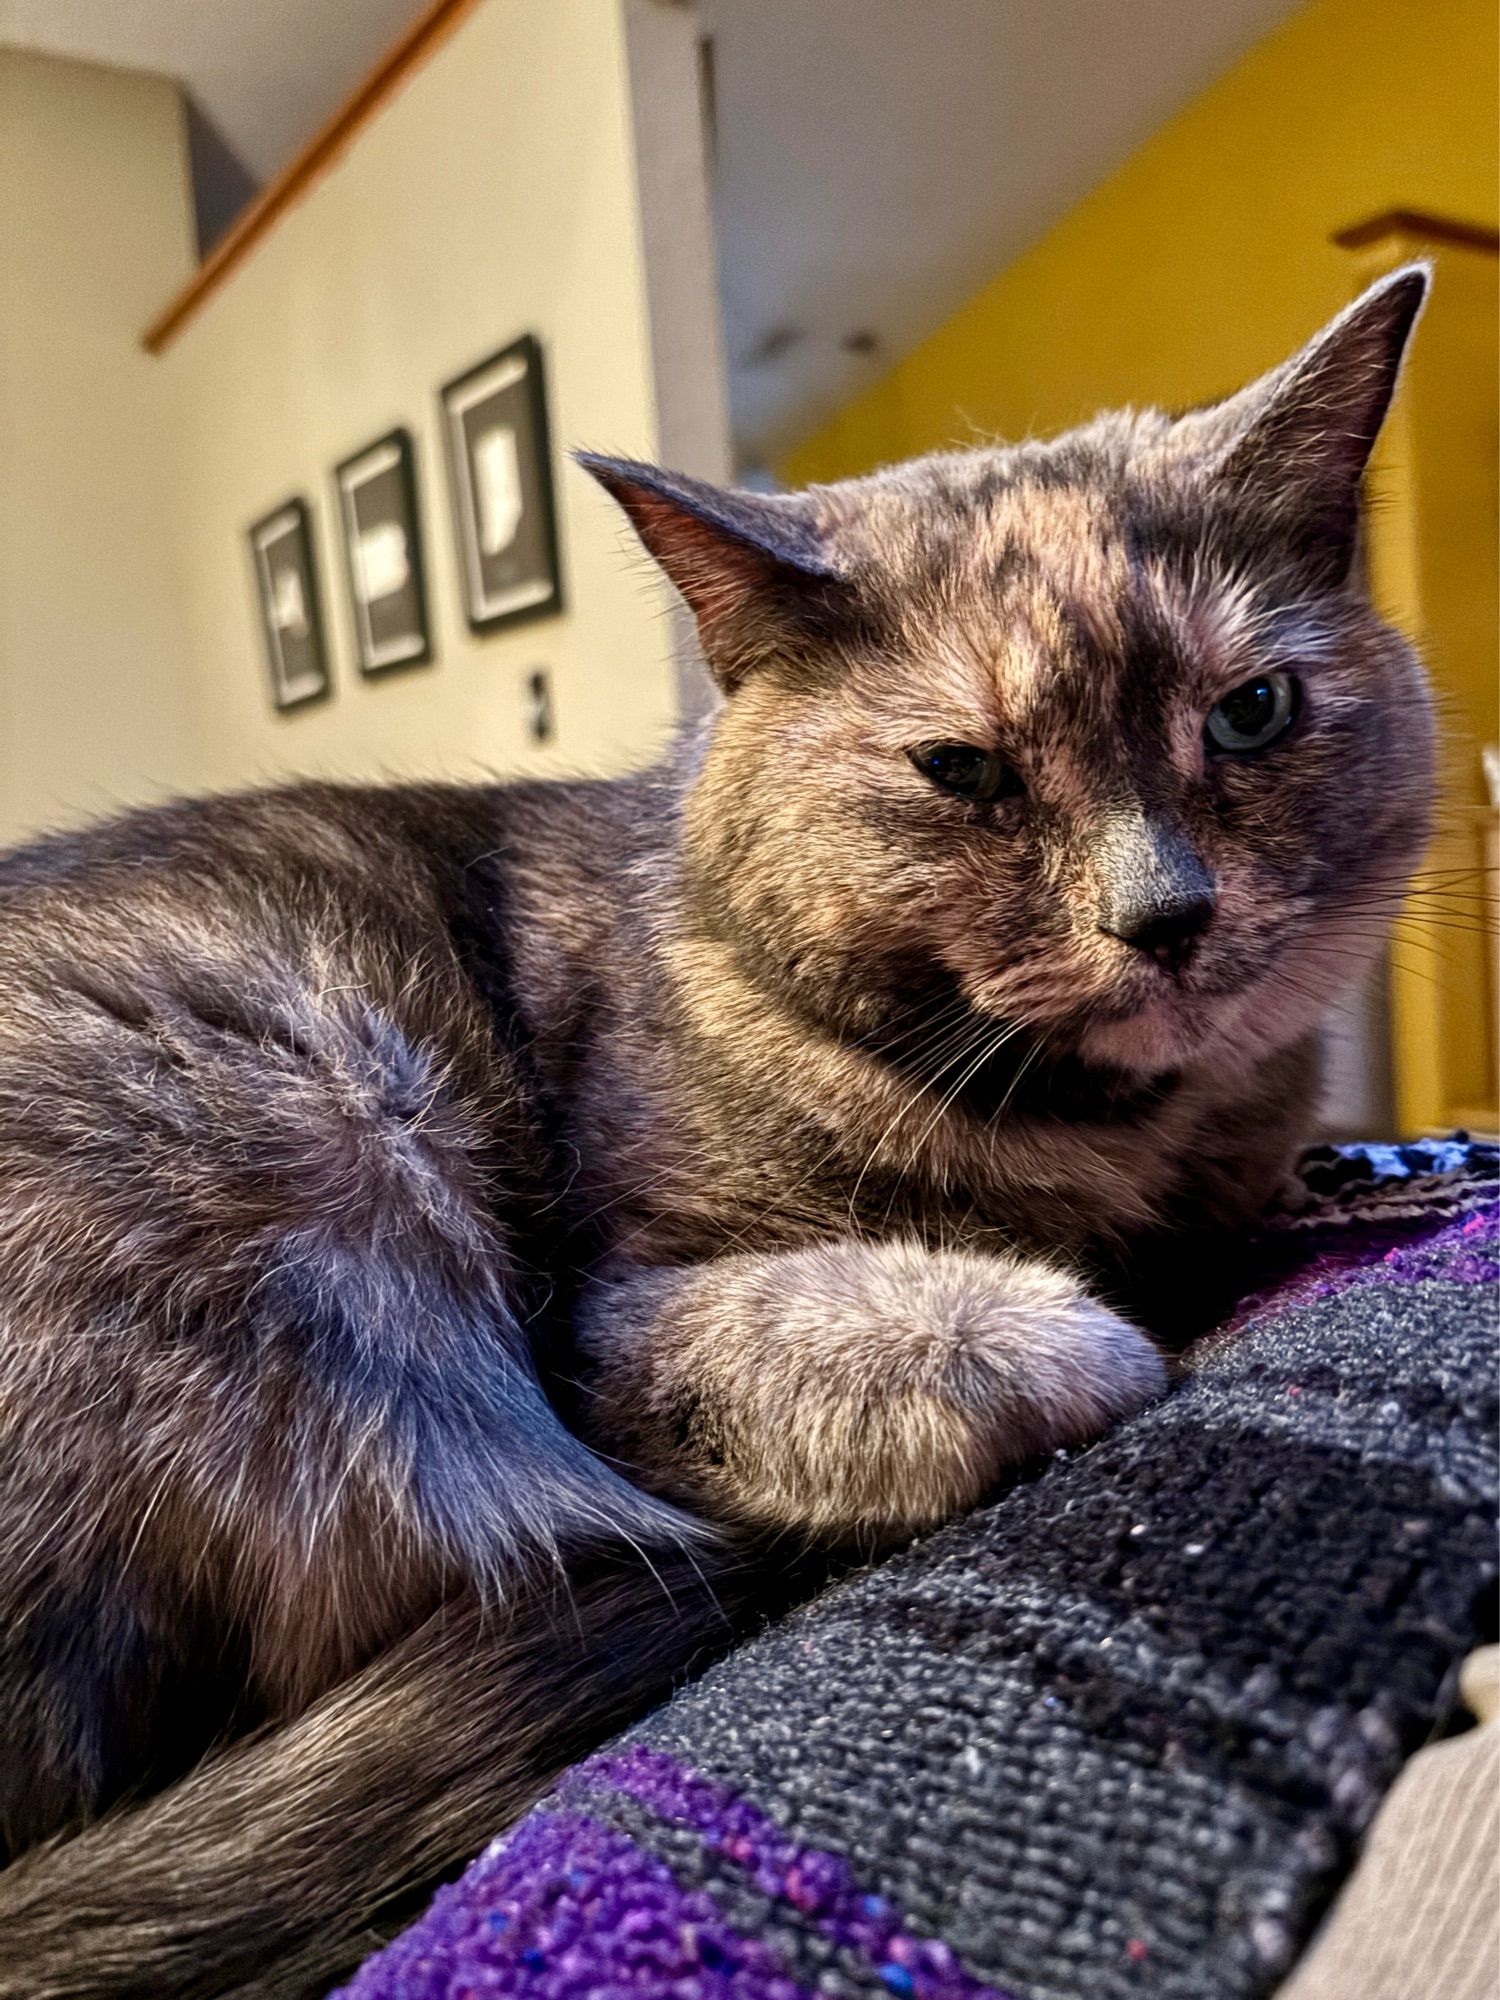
x=494, y=196
x=498, y=193
x=94, y=232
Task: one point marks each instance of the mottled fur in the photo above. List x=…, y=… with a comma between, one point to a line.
x=411, y=1197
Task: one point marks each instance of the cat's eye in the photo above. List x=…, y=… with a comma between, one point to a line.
x=966, y=770
x=1253, y=714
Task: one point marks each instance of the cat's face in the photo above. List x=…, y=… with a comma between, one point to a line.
x=1098, y=737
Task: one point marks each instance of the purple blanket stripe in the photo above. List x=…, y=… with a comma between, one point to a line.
x=1465, y=1251
x=820, y=1886
x=564, y=1907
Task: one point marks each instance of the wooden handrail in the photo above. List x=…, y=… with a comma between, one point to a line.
x=401, y=60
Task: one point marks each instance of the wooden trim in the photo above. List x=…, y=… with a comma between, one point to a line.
x=1443, y=229
x=395, y=68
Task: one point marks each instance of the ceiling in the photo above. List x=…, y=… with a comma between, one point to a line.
x=876, y=160
x=265, y=73
x=879, y=159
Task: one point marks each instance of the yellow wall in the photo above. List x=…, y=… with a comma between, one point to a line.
x=95, y=232
x=1433, y=566
x=1206, y=257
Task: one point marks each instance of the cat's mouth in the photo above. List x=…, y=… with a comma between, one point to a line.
x=1156, y=1018
x=1142, y=1019
x=1162, y=1032
x=1247, y=1006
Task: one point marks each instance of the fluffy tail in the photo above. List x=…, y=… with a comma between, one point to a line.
x=275, y=1867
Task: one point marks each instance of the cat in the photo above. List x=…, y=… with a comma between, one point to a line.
x=453, y=1241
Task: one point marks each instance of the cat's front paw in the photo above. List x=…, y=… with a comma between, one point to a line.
x=891, y=1385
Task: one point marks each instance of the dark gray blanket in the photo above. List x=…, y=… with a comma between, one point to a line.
x=1119, y=1733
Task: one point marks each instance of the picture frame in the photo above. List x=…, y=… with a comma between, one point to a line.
x=497, y=442
x=383, y=564
x=284, y=555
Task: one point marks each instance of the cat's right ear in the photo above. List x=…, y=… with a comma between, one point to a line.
x=1297, y=442
x=750, y=566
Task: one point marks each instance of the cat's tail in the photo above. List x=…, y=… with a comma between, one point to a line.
x=273, y=1868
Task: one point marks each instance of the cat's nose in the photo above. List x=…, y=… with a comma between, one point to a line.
x=1168, y=934
x=1155, y=893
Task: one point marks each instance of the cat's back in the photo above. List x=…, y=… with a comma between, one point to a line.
x=290, y=877
x=267, y=865
x=307, y=994
x=272, y=1156
x=345, y=959
x=207, y=999
x=264, y=845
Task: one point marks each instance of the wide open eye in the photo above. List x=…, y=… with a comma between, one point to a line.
x=962, y=768
x=1253, y=714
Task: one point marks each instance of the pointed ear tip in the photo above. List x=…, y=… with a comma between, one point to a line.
x=602, y=464
x=1409, y=285
x=630, y=481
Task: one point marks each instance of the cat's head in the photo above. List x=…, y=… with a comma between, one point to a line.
x=1102, y=733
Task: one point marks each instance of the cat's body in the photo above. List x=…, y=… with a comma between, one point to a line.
x=788, y=1121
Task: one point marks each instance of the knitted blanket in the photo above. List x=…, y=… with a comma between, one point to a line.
x=1117, y=1734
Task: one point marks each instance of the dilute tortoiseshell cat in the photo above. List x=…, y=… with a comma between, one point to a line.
x=411, y=1196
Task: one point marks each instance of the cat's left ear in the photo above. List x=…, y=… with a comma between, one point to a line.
x=1298, y=440
x=751, y=566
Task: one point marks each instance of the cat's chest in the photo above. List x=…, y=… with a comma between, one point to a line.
x=1045, y=1182
x=684, y=1189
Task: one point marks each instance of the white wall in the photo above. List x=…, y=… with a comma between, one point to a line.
x=498, y=193
x=95, y=230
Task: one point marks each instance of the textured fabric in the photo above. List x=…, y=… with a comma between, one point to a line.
x=1422, y=1914
x=1121, y=1732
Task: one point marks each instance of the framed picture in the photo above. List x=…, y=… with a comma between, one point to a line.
x=377, y=491
x=286, y=579
x=500, y=468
